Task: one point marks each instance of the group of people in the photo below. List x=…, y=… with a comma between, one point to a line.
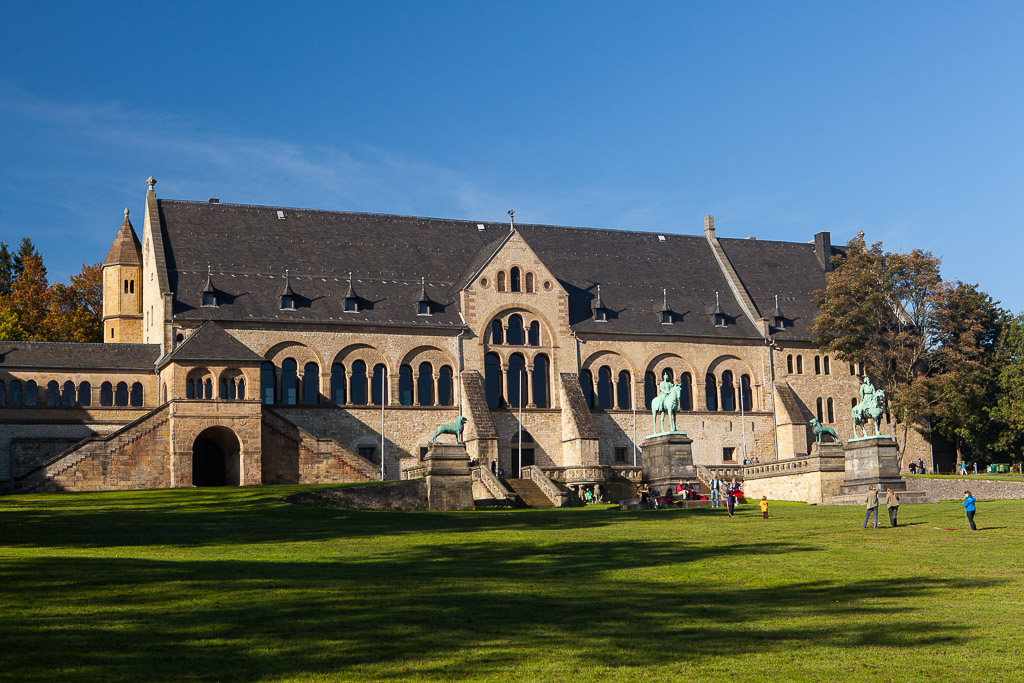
x=686, y=491
x=892, y=504
x=917, y=467
x=732, y=493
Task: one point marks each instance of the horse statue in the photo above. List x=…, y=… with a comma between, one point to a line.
x=666, y=404
x=454, y=428
x=821, y=430
x=872, y=408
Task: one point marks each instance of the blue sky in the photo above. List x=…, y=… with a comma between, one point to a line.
x=782, y=119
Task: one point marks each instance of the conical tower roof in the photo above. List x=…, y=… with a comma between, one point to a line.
x=126, y=249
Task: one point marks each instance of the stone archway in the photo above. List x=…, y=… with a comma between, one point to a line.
x=216, y=459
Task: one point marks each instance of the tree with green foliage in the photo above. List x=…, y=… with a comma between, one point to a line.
x=1009, y=408
x=26, y=250
x=875, y=311
x=6, y=269
x=965, y=326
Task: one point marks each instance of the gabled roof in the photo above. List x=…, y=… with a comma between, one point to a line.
x=211, y=343
x=74, y=355
x=126, y=249
x=394, y=257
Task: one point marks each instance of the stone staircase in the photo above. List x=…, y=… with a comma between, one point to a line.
x=325, y=450
x=528, y=493
x=44, y=476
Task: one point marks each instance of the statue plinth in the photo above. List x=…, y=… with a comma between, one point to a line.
x=449, y=484
x=667, y=458
x=872, y=461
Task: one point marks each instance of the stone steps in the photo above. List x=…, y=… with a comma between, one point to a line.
x=529, y=493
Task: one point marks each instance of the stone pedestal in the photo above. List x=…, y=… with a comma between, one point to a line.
x=872, y=462
x=667, y=458
x=449, y=484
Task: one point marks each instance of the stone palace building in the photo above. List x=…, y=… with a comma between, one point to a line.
x=253, y=344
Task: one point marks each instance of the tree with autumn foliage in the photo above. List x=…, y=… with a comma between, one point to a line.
x=34, y=310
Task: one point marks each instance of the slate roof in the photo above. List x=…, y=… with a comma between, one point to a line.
x=248, y=249
x=72, y=355
x=211, y=343
x=126, y=249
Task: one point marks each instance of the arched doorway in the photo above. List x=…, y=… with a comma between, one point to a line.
x=216, y=458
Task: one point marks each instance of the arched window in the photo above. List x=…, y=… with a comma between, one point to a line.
x=496, y=333
x=853, y=370
x=3, y=393
x=540, y=382
x=131, y=286
x=799, y=365
x=357, y=383
x=821, y=418
x=817, y=365
x=587, y=384
x=686, y=395
x=789, y=364
x=106, y=394
x=728, y=392
x=831, y=412
x=514, y=333
x=445, y=394
x=208, y=389
x=624, y=391
x=710, y=392
x=84, y=394
x=533, y=337
x=501, y=281
x=190, y=388
x=289, y=382
x=405, y=385
x=136, y=396
x=311, y=384
x=379, y=388
x=223, y=393
x=31, y=393
x=492, y=380
x=650, y=389
x=268, y=381
x=604, y=388
x=338, y=384
x=16, y=393
x=746, y=396
x=240, y=389
x=516, y=380
x=853, y=403
x=425, y=385
x=513, y=280
x=671, y=375
x=529, y=283
x=52, y=393
x=121, y=394
x=828, y=370
x=125, y=286
x=67, y=396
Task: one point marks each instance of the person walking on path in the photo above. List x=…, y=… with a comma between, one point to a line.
x=716, y=487
x=970, y=505
x=764, y=507
x=872, y=505
x=730, y=498
x=892, y=503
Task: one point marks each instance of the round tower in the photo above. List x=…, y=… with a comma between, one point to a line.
x=122, y=288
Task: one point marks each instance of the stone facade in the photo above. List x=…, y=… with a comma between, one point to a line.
x=288, y=389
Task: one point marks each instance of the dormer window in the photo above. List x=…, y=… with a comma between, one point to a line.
x=719, y=316
x=209, y=294
x=423, y=303
x=351, y=300
x=600, y=311
x=778, y=321
x=287, y=295
x=666, y=312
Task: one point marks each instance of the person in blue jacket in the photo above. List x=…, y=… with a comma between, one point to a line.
x=970, y=505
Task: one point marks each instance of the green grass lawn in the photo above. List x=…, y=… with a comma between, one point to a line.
x=233, y=584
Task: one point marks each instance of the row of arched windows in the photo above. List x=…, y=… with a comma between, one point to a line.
x=827, y=416
x=422, y=387
x=517, y=282
x=200, y=385
x=68, y=394
x=514, y=333
x=355, y=385
x=822, y=365
x=514, y=383
x=608, y=393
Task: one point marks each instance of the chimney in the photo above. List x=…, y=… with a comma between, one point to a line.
x=823, y=250
x=709, y=226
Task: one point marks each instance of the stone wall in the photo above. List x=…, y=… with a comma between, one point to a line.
x=953, y=489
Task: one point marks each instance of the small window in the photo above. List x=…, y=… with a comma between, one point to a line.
x=288, y=303
x=209, y=300
x=501, y=281
x=799, y=365
x=666, y=317
x=424, y=308
x=789, y=364
x=125, y=286
x=620, y=454
x=423, y=452
x=368, y=452
x=728, y=454
x=351, y=305
x=529, y=283
x=131, y=286
x=831, y=412
x=828, y=370
x=817, y=365
x=514, y=280
x=821, y=417
x=600, y=315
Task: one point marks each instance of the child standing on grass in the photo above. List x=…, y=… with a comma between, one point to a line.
x=764, y=507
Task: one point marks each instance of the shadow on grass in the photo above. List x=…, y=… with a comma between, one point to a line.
x=466, y=610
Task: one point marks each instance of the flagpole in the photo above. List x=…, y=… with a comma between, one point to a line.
x=383, y=400
x=520, y=423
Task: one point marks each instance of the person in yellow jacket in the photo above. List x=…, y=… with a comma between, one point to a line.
x=764, y=507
